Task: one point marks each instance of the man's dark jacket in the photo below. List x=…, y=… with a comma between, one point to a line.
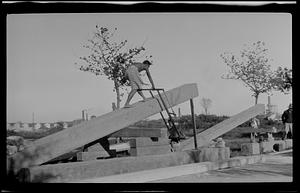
x=287, y=116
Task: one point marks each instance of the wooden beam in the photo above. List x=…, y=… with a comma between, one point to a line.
x=219, y=129
x=52, y=146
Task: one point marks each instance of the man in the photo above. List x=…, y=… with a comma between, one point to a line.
x=135, y=80
x=254, y=124
x=287, y=120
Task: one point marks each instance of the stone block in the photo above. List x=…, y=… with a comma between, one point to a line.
x=266, y=146
x=213, y=154
x=150, y=150
x=209, y=154
x=224, y=153
x=120, y=147
x=147, y=141
x=279, y=145
x=101, y=144
x=94, y=155
x=250, y=148
x=273, y=145
x=288, y=143
x=95, y=148
x=175, y=146
x=98, y=147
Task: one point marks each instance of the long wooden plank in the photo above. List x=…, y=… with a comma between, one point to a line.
x=219, y=129
x=47, y=148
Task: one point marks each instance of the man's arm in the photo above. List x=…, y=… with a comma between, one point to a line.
x=150, y=78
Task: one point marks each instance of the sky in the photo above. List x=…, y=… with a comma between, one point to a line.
x=42, y=49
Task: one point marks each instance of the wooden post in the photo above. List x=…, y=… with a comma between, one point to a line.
x=194, y=123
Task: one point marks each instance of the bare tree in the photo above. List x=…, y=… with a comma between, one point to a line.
x=251, y=67
x=206, y=104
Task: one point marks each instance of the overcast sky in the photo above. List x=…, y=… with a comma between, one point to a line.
x=186, y=47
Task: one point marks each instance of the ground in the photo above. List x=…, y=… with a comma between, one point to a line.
x=276, y=168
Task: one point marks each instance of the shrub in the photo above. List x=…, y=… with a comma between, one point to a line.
x=15, y=141
x=35, y=134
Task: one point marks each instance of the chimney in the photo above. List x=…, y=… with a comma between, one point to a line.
x=114, y=106
x=269, y=104
x=83, y=115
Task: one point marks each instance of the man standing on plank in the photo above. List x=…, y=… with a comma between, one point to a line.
x=135, y=80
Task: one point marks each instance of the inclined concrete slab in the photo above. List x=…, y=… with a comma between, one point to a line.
x=62, y=142
x=99, y=168
x=169, y=172
x=271, y=167
x=205, y=137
